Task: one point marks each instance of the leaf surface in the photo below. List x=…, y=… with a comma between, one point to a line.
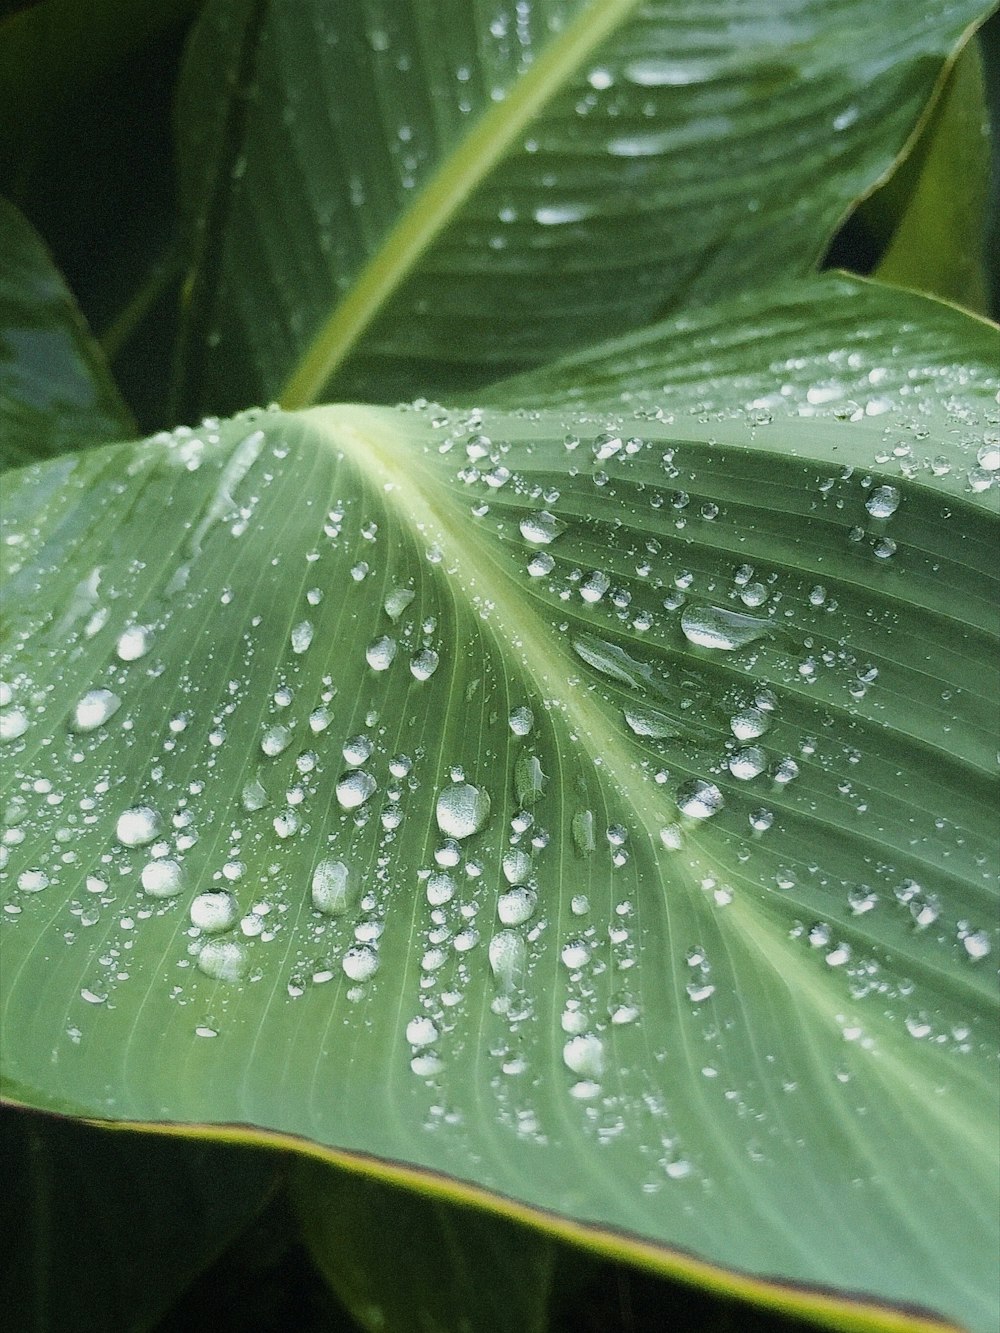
x=390, y=200
x=55, y=389
x=597, y=811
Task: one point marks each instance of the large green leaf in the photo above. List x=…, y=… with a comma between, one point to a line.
x=597, y=811
x=407, y=196
x=55, y=389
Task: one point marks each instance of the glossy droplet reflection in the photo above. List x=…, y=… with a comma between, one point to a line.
x=699, y=799
x=462, y=810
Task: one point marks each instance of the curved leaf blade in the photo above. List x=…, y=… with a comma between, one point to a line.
x=395, y=200
x=759, y=1034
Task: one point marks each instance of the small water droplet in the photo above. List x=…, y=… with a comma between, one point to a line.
x=462, y=810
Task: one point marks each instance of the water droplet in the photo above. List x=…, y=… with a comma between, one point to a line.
x=699, y=800
x=380, y=654
x=541, y=528
x=330, y=887
x=883, y=502
x=212, y=912
x=529, y=780
x=32, y=881
x=161, y=879
x=421, y=1031
x=541, y=564
x=424, y=664
x=517, y=906
x=137, y=826
x=253, y=796
x=357, y=750
x=354, y=788
x=222, y=960
x=462, y=810
x=761, y=820
x=699, y=991
x=575, y=954
x=508, y=955
x=94, y=709
x=516, y=866
x=13, y=723
x=134, y=643
x=440, y=889
x=787, y=770
x=977, y=944
x=649, y=722
x=275, y=740
x=521, y=721
x=302, y=636
x=396, y=601
x=584, y=1056
x=747, y=763
x=594, y=586
x=717, y=628
x=583, y=832
x=749, y=723
x=360, y=962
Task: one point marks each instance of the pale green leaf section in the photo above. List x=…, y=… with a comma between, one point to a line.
x=390, y=200
x=56, y=392
x=598, y=810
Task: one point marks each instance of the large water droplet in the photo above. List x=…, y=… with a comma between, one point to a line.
x=541, y=528
x=360, y=962
x=330, y=887
x=397, y=600
x=94, y=709
x=584, y=1056
x=213, y=911
x=715, y=627
x=354, y=788
x=380, y=654
x=424, y=664
x=516, y=865
x=517, y=906
x=222, y=960
x=883, y=502
x=134, y=643
x=275, y=740
x=161, y=879
x=521, y=721
x=508, y=955
x=747, y=763
x=649, y=722
x=302, y=636
x=421, y=1031
x=699, y=799
x=13, y=723
x=137, y=826
x=462, y=810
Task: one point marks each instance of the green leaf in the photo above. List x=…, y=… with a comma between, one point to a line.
x=402, y=199
x=105, y=1230
x=719, y=998
x=936, y=213
x=55, y=390
x=832, y=345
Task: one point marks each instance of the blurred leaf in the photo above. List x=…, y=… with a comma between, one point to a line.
x=416, y=198
x=585, y=817
x=55, y=390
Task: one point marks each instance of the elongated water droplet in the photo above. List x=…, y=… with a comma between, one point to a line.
x=649, y=722
x=529, y=780
x=330, y=887
x=462, y=810
x=508, y=955
x=94, y=709
x=584, y=1056
x=699, y=800
x=718, y=628
x=583, y=832
x=302, y=636
x=137, y=826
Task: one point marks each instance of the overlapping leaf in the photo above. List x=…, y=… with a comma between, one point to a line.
x=408, y=196
x=597, y=810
